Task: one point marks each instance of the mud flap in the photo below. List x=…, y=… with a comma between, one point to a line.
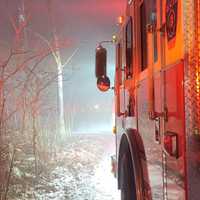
x=114, y=165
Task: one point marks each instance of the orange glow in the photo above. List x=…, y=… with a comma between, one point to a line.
x=174, y=48
x=192, y=47
x=198, y=82
x=120, y=20
x=198, y=53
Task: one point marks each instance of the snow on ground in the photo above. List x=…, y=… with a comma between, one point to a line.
x=82, y=172
x=86, y=170
x=104, y=181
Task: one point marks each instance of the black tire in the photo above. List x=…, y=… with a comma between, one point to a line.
x=128, y=190
x=128, y=195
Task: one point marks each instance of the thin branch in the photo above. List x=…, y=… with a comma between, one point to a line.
x=70, y=58
x=47, y=42
x=9, y=174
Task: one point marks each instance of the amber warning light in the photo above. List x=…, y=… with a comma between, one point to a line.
x=120, y=20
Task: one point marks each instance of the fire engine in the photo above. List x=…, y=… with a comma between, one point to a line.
x=157, y=99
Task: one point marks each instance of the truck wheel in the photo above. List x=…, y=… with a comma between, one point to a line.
x=128, y=190
x=126, y=195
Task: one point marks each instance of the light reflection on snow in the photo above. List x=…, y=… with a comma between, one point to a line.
x=105, y=182
x=83, y=171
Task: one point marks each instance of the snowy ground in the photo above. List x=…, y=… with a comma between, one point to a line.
x=82, y=172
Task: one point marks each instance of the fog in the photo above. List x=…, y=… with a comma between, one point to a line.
x=55, y=125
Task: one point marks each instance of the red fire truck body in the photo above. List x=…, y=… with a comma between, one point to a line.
x=157, y=100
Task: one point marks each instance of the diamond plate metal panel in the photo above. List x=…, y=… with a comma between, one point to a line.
x=192, y=96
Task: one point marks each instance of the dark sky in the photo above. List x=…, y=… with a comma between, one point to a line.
x=84, y=23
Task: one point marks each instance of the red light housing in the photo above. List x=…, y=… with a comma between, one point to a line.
x=171, y=144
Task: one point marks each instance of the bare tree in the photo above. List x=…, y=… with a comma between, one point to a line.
x=28, y=101
x=64, y=131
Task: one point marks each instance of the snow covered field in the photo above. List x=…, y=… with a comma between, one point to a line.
x=82, y=171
